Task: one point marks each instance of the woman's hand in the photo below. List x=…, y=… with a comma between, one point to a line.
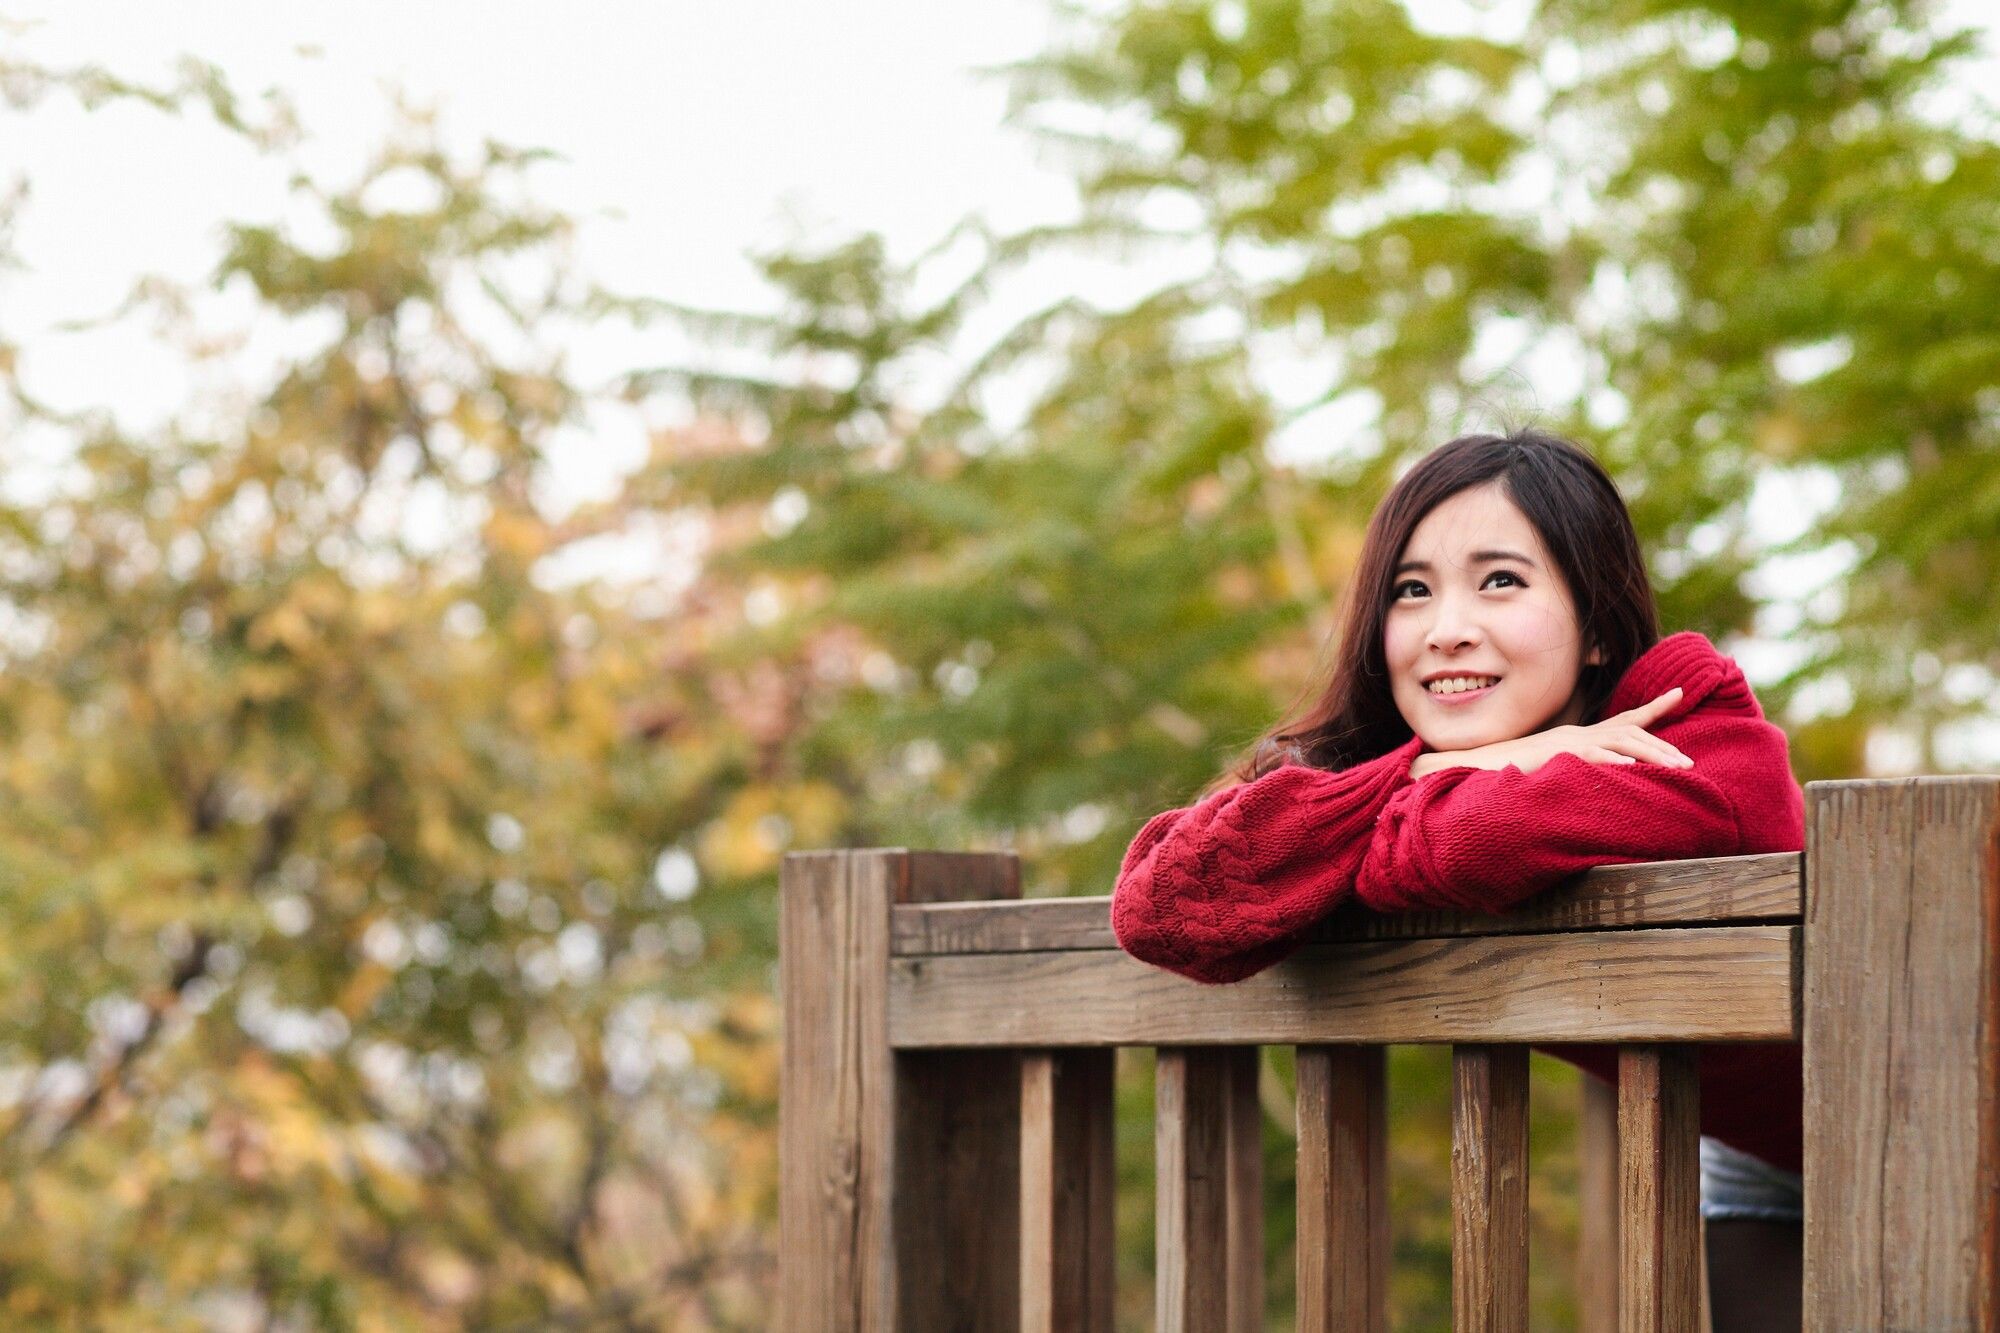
x=1619, y=739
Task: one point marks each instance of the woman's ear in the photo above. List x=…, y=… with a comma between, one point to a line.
x=1595, y=657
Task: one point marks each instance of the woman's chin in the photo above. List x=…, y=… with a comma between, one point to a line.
x=1443, y=739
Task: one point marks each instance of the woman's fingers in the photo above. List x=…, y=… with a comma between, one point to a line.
x=1642, y=744
x=1646, y=712
x=1623, y=738
x=1604, y=754
x=1636, y=741
x=1659, y=751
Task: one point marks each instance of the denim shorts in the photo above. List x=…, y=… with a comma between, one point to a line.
x=1735, y=1184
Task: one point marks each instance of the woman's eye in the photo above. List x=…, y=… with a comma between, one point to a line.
x=1396, y=593
x=1505, y=574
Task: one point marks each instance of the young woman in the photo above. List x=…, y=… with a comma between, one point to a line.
x=1501, y=713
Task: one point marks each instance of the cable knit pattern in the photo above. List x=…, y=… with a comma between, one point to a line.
x=1221, y=889
x=1217, y=890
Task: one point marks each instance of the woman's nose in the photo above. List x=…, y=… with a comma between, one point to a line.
x=1451, y=628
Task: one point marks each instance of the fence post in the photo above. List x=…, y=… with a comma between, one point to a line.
x=1902, y=1053
x=899, y=1174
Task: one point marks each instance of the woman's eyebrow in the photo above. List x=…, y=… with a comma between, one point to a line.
x=1478, y=558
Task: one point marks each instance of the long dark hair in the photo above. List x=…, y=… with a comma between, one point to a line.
x=1582, y=522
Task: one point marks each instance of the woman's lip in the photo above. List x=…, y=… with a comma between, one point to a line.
x=1463, y=696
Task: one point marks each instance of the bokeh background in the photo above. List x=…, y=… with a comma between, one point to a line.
x=482, y=482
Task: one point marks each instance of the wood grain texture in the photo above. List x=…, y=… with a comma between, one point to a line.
x=1597, y=1206
x=1244, y=1154
x=835, y=1096
x=1343, y=1189
x=1489, y=1189
x=1023, y=927
x=890, y=1165
x=1600, y=986
x=1706, y=1322
x=1067, y=1187
x=1659, y=1190
x=957, y=1190
x=1764, y=887
x=1902, y=1054
x=1208, y=1264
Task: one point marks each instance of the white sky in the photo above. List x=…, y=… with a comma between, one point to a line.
x=700, y=125
x=691, y=134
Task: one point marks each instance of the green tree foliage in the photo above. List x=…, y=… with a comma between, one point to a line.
x=351, y=975
x=1756, y=242
x=1740, y=251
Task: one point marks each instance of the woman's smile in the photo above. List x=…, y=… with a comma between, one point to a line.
x=1459, y=697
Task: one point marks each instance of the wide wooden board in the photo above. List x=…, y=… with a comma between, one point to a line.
x=1763, y=888
x=1722, y=983
x=1902, y=1054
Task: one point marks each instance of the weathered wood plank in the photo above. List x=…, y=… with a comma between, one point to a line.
x=1244, y=1154
x=1208, y=1265
x=835, y=1096
x=1599, y=986
x=1597, y=1207
x=957, y=1188
x=958, y=1141
x=1659, y=1233
x=1763, y=887
x=1706, y=1322
x=1067, y=1187
x=1902, y=1054
x=1343, y=1189
x=893, y=1167
x=1020, y=927
x=1489, y=1189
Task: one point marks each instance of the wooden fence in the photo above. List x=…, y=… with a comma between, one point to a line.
x=946, y=1098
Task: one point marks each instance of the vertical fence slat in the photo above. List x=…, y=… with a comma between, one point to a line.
x=958, y=1183
x=1597, y=1207
x=894, y=1169
x=1706, y=1322
x=1659, y=1231
x=1066, y=1191
x=1343, y=1189
x=1190, y=1190
x=1902, y=1053
x=1489, y=1188
x=1242, y=1065
x=1209, y=1229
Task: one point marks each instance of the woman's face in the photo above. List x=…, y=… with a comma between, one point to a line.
x=1476, y=595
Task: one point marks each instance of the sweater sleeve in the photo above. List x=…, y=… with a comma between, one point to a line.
x=1481, y=840
x=1221, y=889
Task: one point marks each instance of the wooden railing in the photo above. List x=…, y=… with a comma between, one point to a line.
x=946, y=1099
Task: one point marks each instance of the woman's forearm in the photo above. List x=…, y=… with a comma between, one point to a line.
x=1435, y=761
x=1221, y=889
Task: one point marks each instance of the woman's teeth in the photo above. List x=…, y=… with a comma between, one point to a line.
x=1459, y=684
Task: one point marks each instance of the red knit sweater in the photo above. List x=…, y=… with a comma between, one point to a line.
x=1223, y=888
